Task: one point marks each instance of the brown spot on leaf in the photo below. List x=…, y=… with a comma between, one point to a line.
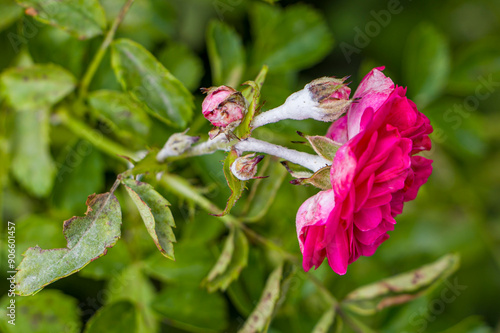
x=31, y=11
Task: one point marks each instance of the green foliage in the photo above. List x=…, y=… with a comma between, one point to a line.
x=50, y=311
x=292, y=39
x=155, y=214
x=227, y=55
x=150, y=83
x=123, y=112
x=115, y=317
x=427, y=63
x=84, y=19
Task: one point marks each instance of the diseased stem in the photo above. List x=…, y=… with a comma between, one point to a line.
x=309, y=161
x=96, y=61
x=312, y=162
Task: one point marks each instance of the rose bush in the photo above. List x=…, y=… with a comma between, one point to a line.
x=373, y=173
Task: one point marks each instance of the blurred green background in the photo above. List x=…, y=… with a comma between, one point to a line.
x=448, y=55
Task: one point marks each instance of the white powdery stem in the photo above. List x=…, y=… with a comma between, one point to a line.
x=220, y=142
x=311, y=162
x=298, y=106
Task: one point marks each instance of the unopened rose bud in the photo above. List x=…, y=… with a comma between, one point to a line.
x=328, y=89
x=177, y=144
x=224, y=106
x=324, y=99
x=245, y=167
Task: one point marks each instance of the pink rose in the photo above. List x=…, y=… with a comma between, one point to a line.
x=373, y=173
x=223, y=106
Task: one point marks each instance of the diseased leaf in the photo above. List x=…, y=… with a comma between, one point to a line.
x=289, y=39
x=235, y=185
x=35, y=87
x=325, y=322
x=259, y=319
x=84, y=19
x=226, y=54
x=50, y=311
x=31, y=143
x=87, y=239
x=155, y=213
x=233, y=258
x=192, y=309
x=401, y=288
x=427, y=63
x=263, y=192
x=115, y=317
x=121, y=110
x=149, y=82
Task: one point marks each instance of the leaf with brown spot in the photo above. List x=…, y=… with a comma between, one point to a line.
x=401, y=288
x=260, y=318
x=233, y=258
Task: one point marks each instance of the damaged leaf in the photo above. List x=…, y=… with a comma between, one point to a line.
x=155, y=213
x=88, y=238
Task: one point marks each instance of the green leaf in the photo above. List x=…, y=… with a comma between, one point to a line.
x=149, y=82
x=191, y=265
x=263, y=192
x=10, y=13
x=476, y=64
x=183, y=63
x=290, y=39
x=84, y=19
x=37, y=86
x=233, y=258
x=320, y=179
x=325, y=322
x=226, y=54
x=323, y=146
x=155, y=213
x=31, y=143
x=426, y=63
x=115, y=317
x=252, y=94
x=121, y=110
x=88, y=238
x=50, y=311
x=400, y=288
x=132, y=285
x=235, y=185
x=192, y=309
x=116, y=260
x=81, y=168
x=259, y=319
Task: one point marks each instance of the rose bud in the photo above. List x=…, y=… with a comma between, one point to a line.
x=245, y=167
x=323, y=99
x=223, y=106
